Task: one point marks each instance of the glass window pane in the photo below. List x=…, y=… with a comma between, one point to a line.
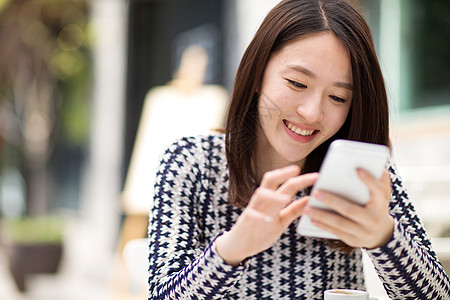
x=430, y=52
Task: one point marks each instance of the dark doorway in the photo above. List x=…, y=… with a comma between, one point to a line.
x=158, y=32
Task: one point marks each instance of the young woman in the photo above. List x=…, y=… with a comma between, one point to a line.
x=225, y=210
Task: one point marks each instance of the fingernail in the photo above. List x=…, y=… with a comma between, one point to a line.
x=293, y=168
x=361, y=172
x=318, y=194
x=309, y=211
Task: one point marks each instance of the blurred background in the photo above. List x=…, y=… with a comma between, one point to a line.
x=89, y=90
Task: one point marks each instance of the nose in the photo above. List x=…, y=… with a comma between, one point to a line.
x=311, y=108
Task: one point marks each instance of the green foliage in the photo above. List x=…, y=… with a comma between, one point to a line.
x=45, y=230
x=45, y=68
x=45, y=81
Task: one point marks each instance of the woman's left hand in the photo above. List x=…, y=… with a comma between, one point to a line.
x=368, y=226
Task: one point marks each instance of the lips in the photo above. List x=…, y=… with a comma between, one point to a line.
x=304, y=132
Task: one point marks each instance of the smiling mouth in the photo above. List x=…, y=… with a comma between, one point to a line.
x=298, y=131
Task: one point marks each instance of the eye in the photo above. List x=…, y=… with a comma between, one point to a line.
x=296, y=84
x=337, y=99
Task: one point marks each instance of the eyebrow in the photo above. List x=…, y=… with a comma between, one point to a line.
x=309, y=73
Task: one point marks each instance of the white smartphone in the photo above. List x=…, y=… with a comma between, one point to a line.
x=338, y=175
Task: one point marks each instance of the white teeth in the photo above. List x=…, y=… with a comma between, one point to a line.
x=299, y=131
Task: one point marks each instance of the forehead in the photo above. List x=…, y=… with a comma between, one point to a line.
x=321, y=53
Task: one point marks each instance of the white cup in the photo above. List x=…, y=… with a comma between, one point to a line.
x=341, y=294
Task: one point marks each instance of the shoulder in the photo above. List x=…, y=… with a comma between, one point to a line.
x=196, y=147
x=198, y=143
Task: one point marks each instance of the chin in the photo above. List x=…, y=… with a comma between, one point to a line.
x=294, y=158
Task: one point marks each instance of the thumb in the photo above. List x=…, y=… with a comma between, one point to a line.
x=293, y=211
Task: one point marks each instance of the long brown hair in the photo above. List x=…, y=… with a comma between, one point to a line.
x=368, y=118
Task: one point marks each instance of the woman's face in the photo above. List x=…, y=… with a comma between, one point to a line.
x=304, y=98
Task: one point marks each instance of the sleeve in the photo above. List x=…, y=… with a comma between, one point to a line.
x=407, y=265
x=179, y=266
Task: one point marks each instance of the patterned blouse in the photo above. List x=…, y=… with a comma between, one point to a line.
x=191, y=208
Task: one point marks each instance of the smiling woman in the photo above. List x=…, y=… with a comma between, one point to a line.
x=226, y=207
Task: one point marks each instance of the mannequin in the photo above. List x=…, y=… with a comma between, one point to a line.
x=183, y=107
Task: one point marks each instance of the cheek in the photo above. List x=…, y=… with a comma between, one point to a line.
x=337, y=119
x=342, y=117
x=264, y=116
x=271, y=106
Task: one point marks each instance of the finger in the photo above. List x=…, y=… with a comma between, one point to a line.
x=268, y=201
x=366, y=177
x=273, y=179
x=344, y=207
x=348, y=238
x=298, y=183
x=353, y=234
x=334, y=223
x=374, y=186
x=293, y=211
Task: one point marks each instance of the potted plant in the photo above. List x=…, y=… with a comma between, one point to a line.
x=33, y=245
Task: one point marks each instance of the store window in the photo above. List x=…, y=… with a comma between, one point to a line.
x=412, y=38
x=430, y=52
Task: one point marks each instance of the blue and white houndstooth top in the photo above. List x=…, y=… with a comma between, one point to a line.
x=191, y=208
